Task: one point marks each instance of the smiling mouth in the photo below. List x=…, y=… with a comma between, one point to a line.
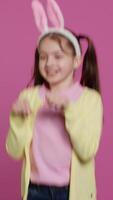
x=52, y=73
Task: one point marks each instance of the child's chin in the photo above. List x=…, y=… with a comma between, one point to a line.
x=55, y=81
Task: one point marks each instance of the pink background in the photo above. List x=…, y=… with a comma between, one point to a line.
x=18, y=36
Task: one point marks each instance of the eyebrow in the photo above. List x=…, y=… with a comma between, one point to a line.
x=54, y=52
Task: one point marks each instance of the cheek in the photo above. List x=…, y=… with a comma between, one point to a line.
x=66, y=61
x=41, y=65
x=66, y=65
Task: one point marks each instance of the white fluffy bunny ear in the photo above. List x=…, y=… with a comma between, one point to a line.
x=40, y=16
x=55, y=14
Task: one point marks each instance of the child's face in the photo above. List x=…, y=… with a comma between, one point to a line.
x=55, y=65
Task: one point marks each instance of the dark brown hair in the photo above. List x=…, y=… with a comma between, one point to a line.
x=90, y=74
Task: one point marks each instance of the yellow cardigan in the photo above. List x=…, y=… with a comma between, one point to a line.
x=83, y=121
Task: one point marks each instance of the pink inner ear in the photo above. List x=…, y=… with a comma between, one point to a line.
x=39, y=15
x=55, y=14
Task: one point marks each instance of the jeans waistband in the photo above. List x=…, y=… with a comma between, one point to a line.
x=53, y=187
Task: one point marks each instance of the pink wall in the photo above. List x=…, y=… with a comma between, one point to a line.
x=18, y=37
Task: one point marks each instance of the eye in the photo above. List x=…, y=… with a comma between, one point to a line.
x=59, y=56
x=42, y=57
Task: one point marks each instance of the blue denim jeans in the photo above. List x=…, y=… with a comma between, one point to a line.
x=44, y=192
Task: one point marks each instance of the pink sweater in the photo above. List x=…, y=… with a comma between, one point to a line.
x=50, y=153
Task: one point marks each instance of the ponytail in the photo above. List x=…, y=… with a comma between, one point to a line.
x=90, y=74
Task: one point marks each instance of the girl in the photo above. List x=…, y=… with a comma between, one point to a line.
x=55, y=125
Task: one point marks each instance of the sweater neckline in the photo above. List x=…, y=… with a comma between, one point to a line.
x=75, y=86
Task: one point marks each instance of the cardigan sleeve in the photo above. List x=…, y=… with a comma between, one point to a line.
x=18, y=131
x=83, y=121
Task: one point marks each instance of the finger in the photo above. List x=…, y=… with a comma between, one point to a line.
x=15, y=108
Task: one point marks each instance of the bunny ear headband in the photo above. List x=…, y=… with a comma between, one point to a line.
x=57, y=20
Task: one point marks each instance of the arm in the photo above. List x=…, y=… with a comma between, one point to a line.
x=83, y=122
x=17, y=137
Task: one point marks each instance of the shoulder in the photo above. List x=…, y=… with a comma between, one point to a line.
x=30, y=89
x=91, y=94
x=91, y=99
x=28, y=92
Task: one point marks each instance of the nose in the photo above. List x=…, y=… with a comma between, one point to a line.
x=49, y=62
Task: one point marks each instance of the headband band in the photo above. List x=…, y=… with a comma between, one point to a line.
x=67, y=34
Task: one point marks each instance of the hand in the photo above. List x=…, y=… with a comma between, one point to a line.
x=21, y=108
x=56, y=101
